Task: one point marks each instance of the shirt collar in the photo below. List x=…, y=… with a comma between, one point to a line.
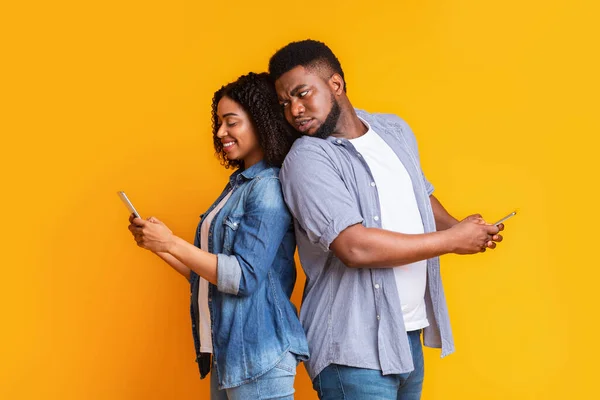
x=249, y=173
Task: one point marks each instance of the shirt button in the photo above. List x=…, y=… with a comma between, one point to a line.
x=377, y=286
x=338, y=141
x=358, y=155
x=378, y=317
x=376, y=218
x=372, y=183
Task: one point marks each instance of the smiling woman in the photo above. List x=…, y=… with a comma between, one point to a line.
x=241, y=266
x=247, y=123
x=238, y=137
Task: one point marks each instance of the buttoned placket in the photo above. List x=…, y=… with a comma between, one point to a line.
x=375, y=277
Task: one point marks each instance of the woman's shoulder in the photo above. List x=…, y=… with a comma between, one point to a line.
x=269, y=172
x=265, y=189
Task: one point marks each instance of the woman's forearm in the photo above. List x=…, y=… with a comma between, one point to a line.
x=201, y=262
x=175, y=264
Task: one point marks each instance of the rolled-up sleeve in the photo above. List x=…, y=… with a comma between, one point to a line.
x=229, y=274
x=316, y=194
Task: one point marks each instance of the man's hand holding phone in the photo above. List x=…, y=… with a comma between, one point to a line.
x=473, y=235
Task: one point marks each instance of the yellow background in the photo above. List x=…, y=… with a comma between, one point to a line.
x=106, y=96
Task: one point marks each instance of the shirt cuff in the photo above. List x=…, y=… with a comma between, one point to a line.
x=429, y=188
x=335, y=228
x=229, y=274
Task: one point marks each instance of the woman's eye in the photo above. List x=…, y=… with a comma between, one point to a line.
x=232, y=124
x=302, y=94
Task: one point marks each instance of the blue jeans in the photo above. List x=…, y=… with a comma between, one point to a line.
x=339, y=382
x=278, y=383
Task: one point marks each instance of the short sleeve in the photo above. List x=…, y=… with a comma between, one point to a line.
x=316, y=194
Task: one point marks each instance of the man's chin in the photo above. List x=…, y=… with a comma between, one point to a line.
x=312, y=131
x=320, y=133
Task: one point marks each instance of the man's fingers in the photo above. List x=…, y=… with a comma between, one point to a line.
x=497, y=238
x=491, y=245
x=474, y=217
x=492, y=229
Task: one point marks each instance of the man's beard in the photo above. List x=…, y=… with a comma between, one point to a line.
x=327, y=128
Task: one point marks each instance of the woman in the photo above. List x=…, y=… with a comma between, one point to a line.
x=241, y=266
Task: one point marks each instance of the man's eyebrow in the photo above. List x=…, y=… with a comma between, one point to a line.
x=298, y=88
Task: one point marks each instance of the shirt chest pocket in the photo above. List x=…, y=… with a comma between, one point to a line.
x=231, y=225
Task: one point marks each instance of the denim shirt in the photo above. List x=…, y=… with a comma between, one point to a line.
x=353, y=316
x=254, y=323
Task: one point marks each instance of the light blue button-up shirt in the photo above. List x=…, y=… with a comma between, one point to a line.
x=353, y=316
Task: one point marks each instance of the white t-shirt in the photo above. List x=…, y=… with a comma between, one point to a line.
x=204, y=325
x=399, y=213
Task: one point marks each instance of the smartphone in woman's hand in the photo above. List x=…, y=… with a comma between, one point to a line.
x=128, y=204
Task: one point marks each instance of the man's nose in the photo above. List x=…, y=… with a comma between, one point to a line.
x=297, y=108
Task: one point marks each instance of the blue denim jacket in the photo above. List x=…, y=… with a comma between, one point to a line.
x=254, y=323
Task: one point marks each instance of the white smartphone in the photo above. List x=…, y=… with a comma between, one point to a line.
x=512, y=214
x=128, y=204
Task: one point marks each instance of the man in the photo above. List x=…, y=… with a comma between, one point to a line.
x=369, y=235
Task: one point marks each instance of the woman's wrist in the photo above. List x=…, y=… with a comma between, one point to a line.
x=172, y=244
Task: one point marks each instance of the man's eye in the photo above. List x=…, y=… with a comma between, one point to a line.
x=302, y=94
x=284, y=104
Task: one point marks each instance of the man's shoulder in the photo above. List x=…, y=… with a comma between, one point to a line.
x=388, y=124
x=307, y=156
x=308, y=145
x=379, y=118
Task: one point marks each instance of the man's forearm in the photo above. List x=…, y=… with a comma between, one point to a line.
x=379, y=248
x=443, y=219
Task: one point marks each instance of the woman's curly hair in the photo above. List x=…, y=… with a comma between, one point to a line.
x=256, y=94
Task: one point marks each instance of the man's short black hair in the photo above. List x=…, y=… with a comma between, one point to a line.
x=310, y=54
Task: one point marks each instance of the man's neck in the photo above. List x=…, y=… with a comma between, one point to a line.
x=349, y=126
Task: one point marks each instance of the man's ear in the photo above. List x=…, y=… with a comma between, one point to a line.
x=336, y=82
